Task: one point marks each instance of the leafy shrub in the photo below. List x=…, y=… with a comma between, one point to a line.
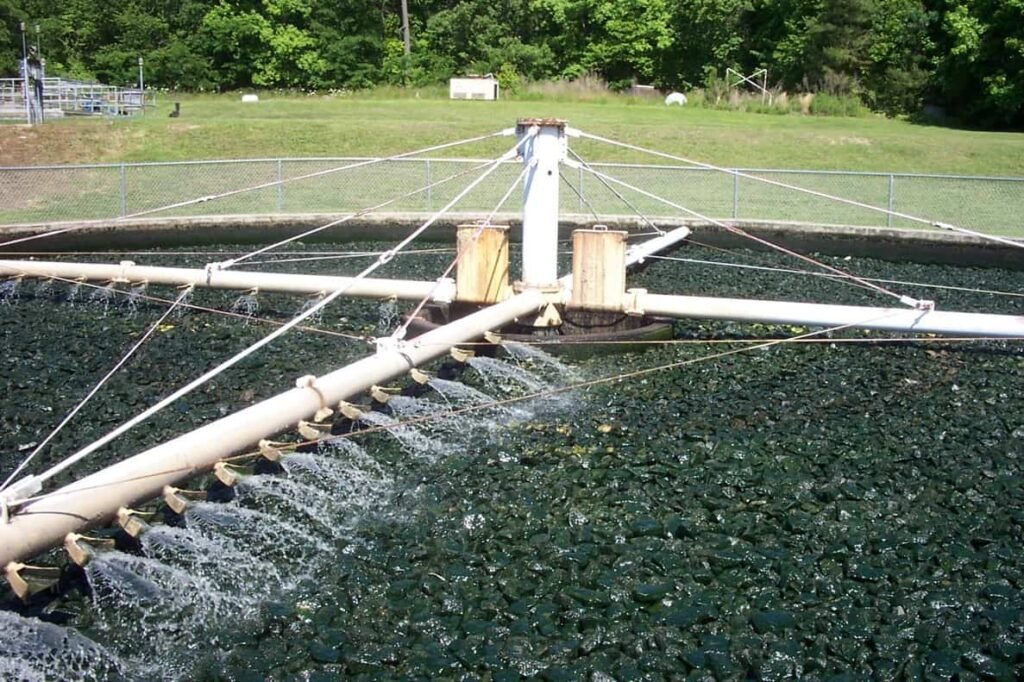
x=824, y=104
x=508, y=79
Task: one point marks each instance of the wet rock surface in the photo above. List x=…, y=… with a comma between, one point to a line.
x=833, y=510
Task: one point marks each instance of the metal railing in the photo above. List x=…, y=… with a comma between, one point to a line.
x=73, y=98
x=104, y=191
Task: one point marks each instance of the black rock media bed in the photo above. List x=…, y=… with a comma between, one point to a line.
x=837, y=510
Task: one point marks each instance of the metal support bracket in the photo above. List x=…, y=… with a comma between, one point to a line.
x=270, y=450
x=631, y=303
x=381, y=394
x=26, y=580
x=178, y=500
x=227, y=474
x=133, y=521
x=349, y=411
x=82, y=547
x=313, y=431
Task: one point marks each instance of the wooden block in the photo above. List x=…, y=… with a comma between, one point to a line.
x=481, y=275
x=598, y=269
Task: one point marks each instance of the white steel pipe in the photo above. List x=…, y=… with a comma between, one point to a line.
x=638, y=252
x=821, y=315
x=542, y=154
x=233, y=279
x=95, y=499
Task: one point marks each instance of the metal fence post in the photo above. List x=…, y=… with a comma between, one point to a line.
x=430, y=190
x=280, y=187
x=124, y=191
x=735, y=195
x=892, y=199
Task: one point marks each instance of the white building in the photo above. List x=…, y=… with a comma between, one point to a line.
x=473, y=87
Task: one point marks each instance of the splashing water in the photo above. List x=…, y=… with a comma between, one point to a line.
x=357, y=483
x=193, y=581
x=387, y=316
x=410, y=438
x=183, y=307
x=264, y=534
x=173, y=610
x=272, y=492
x=134, y=300
x=513, y=379
x=404, y=406
x=317, y=317
x=460, y=395
x=534, y=357
x=152, y=586
x=506, y=377
x=247, y=304
x=437, y=418
x=209, y=555
x=44, y=289
x=33, y=650
x=102, y=296
x=74, y=293
x=10, y=291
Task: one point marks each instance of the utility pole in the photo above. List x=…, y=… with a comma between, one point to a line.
x=142, y=92
x=406, y=38
x=24, y=73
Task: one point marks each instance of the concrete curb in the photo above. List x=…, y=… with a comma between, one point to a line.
x=928, y=246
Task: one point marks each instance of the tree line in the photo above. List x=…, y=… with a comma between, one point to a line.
x=896, y=56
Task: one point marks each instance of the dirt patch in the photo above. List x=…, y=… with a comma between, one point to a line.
x=61, y=142
x=178, y=128
x=861, y=141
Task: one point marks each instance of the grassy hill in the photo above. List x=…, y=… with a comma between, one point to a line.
x=220, y=126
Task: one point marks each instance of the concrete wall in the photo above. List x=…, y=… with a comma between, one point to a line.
x=924, y=246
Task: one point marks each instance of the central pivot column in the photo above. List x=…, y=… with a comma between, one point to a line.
x=542, y=152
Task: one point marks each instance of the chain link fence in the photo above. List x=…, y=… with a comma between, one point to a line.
x=338, y=185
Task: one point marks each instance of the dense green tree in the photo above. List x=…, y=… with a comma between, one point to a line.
x=966, y=55
x=981, y=77
x=10, y=38
x=706, y=34
x=836, y=46
x=482, y=37
x=901, y=57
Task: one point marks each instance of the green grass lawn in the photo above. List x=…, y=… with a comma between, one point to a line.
x=220, y=126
